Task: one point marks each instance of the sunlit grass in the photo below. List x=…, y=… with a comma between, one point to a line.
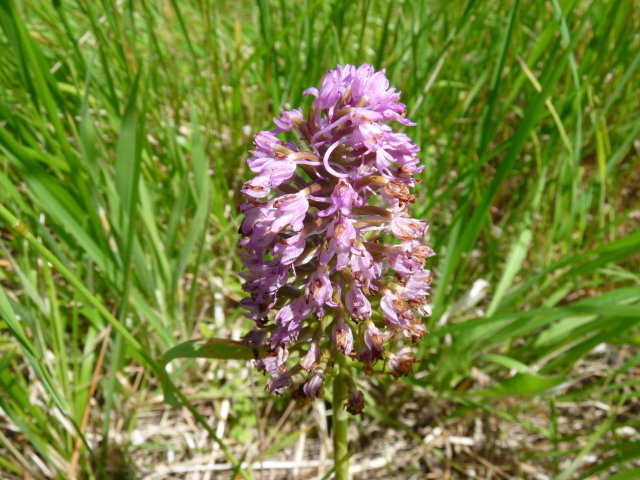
x=123, y=132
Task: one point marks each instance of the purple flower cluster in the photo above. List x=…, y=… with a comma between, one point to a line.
x=328, y=241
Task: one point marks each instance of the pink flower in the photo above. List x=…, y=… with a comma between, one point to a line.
x=279, y=382
x=417, y=287
x=405, y=227
x=374, y=339
x=342, y=337
x=274, y=361
x=343, y=198
x=340, y=235
x=310, y=360
x=398, y=313
x=357, y=304
x=408, y=257
x=288, y=120
x=290, y=212
x=289, y=248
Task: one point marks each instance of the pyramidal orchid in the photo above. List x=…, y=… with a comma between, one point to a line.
x=334, y=262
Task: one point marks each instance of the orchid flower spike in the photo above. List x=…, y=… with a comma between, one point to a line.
x=334, y=262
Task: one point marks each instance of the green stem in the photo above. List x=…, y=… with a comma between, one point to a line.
x=340, y=421
x=19, y=228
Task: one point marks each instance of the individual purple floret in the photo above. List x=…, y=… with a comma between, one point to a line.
x=335, y=264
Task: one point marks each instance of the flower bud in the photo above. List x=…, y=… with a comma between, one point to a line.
x=313, y=388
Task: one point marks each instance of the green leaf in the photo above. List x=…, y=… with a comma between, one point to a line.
x=522, y=384
x=218, y=348
x=627, y=475
x=127, y=174
x=507, y=362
